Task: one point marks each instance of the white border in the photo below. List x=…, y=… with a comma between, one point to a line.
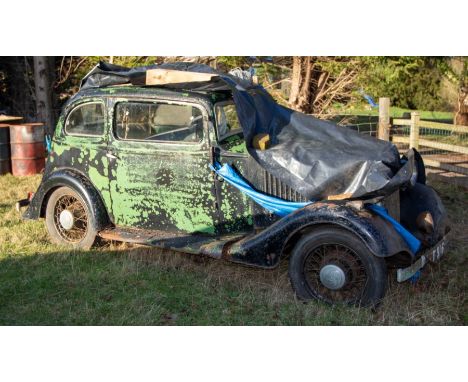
x=243, y=27
x=233, y=354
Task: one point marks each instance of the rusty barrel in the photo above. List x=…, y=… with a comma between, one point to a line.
x=5, y=157
x=27, y=149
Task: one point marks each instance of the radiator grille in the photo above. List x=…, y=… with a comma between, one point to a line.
x=273, y=186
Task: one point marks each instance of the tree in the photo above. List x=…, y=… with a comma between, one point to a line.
x=300, y=97
x=16, y=87
x=319, y=82
x=461, y=115
x=409, y=81
x=455, y=71
x=43, y=79
x=310, y=84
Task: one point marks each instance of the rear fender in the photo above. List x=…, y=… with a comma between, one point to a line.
x=76, y=181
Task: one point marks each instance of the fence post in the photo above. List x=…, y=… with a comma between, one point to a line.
x=384, y=119
x=414, y=131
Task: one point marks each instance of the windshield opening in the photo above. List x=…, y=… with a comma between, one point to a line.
x=226, y=120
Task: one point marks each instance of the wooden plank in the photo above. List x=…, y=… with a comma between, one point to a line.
x=167, y=77
x=443, y=146
x=432, y=144
x=384, y=119
x=340, y=196
x=261, y=141
x=432, y=125
x=444, y=166
x=400, y=139
x=414, y=131
x=401, y=122
x=8, y=118
x=443, y=126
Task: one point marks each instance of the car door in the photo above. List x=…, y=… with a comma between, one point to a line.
x=235, y=207
x=159, y=156
x=80, y=143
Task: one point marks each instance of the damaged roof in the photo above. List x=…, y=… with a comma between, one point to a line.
x=315, y=157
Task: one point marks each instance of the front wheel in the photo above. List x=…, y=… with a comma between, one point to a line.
x=333, y=265
x=69, y=219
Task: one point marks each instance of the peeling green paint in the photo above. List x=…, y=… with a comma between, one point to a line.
x=167, y=187
x=177, y=189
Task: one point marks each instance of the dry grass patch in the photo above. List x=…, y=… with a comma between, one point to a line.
x=45, y=284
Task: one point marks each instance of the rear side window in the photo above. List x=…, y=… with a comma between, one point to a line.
x=158, y=122
x=87, y=119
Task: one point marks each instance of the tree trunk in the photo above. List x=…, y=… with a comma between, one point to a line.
x=461, y=116
x=43, y=85
x=300, y=97
x=314, y=87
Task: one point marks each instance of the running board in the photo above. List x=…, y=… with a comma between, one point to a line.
x=213, y=246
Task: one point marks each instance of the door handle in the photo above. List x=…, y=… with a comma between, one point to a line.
x=110, y=155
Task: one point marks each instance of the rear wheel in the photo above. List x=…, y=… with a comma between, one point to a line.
x=69, y=220
x=333, y=265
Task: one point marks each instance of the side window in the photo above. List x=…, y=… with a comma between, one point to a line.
x=87, y=119
x=227, y=120
x=158, y=122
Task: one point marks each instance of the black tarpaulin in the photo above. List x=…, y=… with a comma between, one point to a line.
x=315, y=157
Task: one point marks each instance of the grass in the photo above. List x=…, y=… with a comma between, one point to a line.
x=44, y=284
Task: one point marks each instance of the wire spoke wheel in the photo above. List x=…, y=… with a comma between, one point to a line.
x=70, y=219
x=333, y=265
x=335, y=273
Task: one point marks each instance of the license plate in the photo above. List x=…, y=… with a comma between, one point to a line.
x=433, y=254
x=436, y=252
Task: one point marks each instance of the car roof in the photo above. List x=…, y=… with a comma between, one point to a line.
x=148, y=91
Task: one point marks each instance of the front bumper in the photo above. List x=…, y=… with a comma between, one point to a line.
x=432, y=254
x=24, y=202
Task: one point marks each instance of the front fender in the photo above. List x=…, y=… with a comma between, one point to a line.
x=74, y=180
x=265, y=248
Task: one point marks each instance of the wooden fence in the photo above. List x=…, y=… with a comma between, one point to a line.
x=428, y=138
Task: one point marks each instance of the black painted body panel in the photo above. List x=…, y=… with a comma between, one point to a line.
x=175, y=192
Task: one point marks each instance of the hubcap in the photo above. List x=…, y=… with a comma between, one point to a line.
x=66, y=219
x=335, y=273
x=70, y=218
x=332, y=276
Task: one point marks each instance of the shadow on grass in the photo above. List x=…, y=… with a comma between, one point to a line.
x=144, y=286
x=136, y=286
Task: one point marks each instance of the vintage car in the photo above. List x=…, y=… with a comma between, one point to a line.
x=135, y=164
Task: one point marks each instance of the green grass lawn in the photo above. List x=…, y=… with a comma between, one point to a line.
x=43, y=284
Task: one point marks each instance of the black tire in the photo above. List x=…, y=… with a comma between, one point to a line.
x=358, y=277
x=82, y=234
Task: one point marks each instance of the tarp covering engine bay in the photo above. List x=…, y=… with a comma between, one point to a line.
x=317, y=158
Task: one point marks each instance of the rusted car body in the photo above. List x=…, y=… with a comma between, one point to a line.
x=158, y=189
